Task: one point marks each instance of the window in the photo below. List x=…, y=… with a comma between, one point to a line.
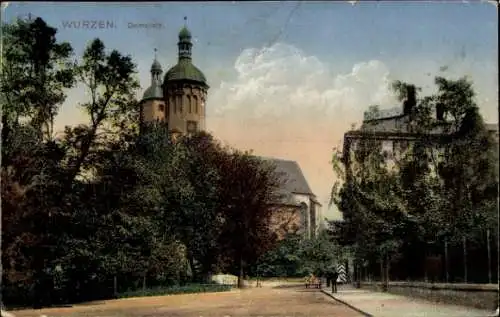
x=171, y=105
x=312, y=220
x=161, y=107
x=304, y=219
x=189, y=104
x=195, y=104
x=179, y=103
x=387, y=149
x=192, y=127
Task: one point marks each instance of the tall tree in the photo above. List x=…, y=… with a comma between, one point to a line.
x=199, y=222
x=469, y=168
x=36, y=69
x=109, y=77
x=431, y=192
x=250, y=190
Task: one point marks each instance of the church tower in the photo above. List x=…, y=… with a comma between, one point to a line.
x=185, y=90
x=152, y=105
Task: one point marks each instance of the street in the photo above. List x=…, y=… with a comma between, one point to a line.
x=266, y=302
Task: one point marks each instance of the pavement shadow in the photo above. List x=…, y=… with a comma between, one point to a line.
x=308, y=290
x=289, y=285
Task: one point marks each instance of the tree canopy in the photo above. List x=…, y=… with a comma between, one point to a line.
x=426, y=193
x=103, y=203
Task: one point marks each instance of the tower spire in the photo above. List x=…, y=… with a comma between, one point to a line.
x=184, y=43
x=156, y=69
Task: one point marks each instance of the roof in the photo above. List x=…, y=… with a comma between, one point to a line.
x=156, y=66
x=383, y=114
x=153, y=92
x=492, y=127
x=293, y=179
x=398, y=123
x=184, y=33
x=185, y=70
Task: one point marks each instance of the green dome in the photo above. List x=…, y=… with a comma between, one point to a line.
x=153, y=92
x=185, y=70
x=184, y=33
x=156, y=67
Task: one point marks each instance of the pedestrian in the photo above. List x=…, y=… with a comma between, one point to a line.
x=335, y=276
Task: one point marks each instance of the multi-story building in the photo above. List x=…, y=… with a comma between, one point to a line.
x=396, y=130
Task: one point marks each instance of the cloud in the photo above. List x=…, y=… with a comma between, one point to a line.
x=493, y=2
x=286, y=103
x=282, y=80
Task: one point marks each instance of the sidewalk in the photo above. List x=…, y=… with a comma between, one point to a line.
x=379, y=304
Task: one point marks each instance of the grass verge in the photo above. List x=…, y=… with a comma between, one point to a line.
x=185, y=289
x=277, y=279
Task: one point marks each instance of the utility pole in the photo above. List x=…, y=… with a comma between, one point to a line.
x=446, y=267
x=464, y=242
x=489, y=254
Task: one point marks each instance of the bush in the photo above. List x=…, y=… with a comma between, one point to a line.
x=185, y=289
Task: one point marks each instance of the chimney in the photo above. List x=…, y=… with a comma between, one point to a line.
x=411, y=100
x=440, y=112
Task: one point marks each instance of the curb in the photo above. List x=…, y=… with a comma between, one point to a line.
x=347, y=304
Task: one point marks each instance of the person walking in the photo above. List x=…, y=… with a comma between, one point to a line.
x=329, y=275
x=334, y=278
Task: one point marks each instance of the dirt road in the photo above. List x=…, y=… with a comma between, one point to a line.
x=265, y=302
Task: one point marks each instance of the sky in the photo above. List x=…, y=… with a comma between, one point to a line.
x=287, y=79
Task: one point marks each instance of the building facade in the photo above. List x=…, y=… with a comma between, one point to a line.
x=179, y=100
x=396, y=130
x=299, y=211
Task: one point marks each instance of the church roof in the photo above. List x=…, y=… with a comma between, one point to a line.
x=153, y=92
x=185, y=70
x=293, y=179
x=156, y=66
x=184, y=33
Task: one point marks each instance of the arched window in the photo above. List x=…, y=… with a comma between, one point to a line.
x=312, y=218
x=195, y=103
x=202, y=106
x=190, y=106
x=171, y=104
x=303, y=219
x=179, y=103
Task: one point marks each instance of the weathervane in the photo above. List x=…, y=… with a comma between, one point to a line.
x=155, y=52
x=185, y=20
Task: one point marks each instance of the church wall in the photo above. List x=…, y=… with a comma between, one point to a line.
x=153, y=110
x=306, y=200
x=185, y=104
x=314, y=217
x=285, y=219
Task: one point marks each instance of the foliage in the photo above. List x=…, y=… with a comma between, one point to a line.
x=284, y=260
x=429, y=193
x=35, y=70
x=103, y=203
x=250, y=190
x=193, y=288
x=294, y=256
